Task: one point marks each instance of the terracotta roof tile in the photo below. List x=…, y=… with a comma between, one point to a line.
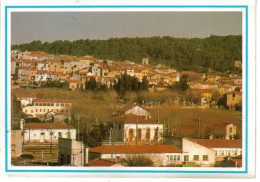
x=53, y=100
x=45, y=126
x=131, y=119
x=218, y=143
x=132, y=149
x=100, y=162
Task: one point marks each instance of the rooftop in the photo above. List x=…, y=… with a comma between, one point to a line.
x=133, y=119
x=218, y=143
x=132, y=149
x=45, y=126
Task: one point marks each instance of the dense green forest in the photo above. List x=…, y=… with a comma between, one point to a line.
x=197, y=54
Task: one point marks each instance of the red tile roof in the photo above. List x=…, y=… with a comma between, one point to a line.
x=132, y=119
x=100, y=162
x=42, y=71
x=46, y=126
x=132, y=149
x=53, y=100
x=206, y=90
x=218, y=143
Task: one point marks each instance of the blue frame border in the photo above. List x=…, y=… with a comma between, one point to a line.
x=130, y=171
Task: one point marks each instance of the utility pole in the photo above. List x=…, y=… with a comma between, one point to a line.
x=78, y=130
x=199, y=127
x=51, y=140
x=23, y=133
x=68, y=130
x=111, y=141
x=177, y=126
x=29, y=132
x=136, y=138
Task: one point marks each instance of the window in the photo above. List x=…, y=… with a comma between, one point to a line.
x=36, y=110
x=44, y=104
x=62, y=104
x=57, y=104
x=178, y=157
x=36, y=104
x=52, y=104
x=228, y=153
x=40, y=104
x=196, y=157
x=119, y=127
x=171, y=158
x=186, y=158
x=31, y=111
x=174, y=157
x=62, y=159
x=235, y=152
x=40, y=110
x=205, y=157
x=48, y=104
x=168, y=157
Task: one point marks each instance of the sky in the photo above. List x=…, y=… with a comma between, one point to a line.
x=51, y=26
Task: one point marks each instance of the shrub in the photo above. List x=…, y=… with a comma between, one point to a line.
x=139, y=160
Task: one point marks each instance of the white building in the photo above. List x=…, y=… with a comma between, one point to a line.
x=133, y=128
x=46, y=132
x=162, y=155
x=205, y=152
x=44, y=65
x=41, y=76
x=197, y=154
x=25, y=100
x=43, y=106
x=231, y=131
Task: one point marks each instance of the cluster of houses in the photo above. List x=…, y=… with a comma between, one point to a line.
x=133, y=132
x=38, y=67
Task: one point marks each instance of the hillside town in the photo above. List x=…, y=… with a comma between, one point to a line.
x=44, y=130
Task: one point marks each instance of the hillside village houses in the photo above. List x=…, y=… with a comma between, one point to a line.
x=132, y=132
x=37, y=67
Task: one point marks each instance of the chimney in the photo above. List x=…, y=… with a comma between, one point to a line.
x=22, y=124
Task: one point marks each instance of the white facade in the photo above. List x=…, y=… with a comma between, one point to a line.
x=25, y=100
x=198, y=154
x=43, y=107
x=155, y=131
x=228, y=152
x=41, y=76
x=39, y=110
x=44, y=135
x=231, y=130
x=42, y=66
x=46, y=132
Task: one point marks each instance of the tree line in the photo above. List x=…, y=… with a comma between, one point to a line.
x=195, y=54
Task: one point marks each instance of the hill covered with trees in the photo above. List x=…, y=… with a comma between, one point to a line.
x=195, y=54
